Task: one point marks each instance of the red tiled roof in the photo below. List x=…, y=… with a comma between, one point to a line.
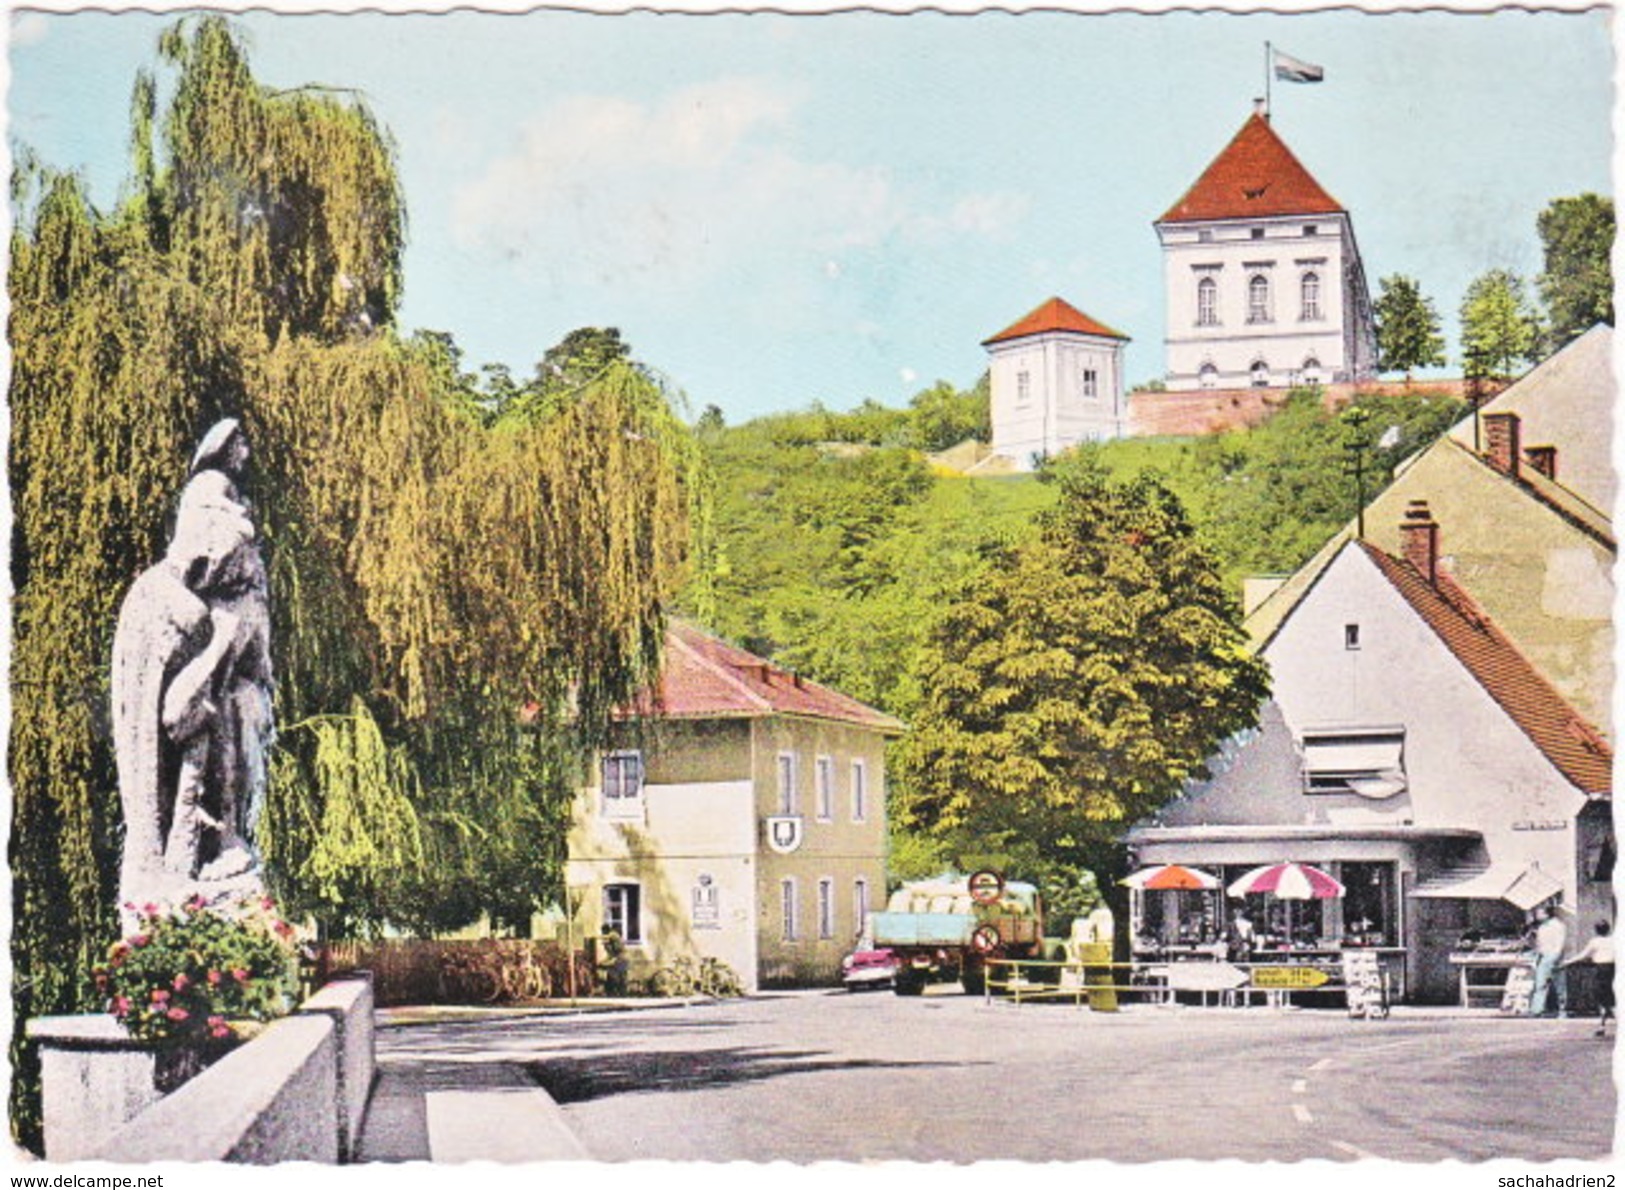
x=1567, y=740
x=1055, y=315
x=706, y=678
x=1255, y=176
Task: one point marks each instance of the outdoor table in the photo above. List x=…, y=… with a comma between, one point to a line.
x=1472, y=962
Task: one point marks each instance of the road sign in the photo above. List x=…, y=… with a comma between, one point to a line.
x=1278, y=979
x=986, y=886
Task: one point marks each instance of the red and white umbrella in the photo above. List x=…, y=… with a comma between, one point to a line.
x=1171, y=876
x=1289, y=882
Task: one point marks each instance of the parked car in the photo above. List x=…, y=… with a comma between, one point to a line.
x=869, y=969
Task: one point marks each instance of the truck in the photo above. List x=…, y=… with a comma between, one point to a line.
x=947, y=929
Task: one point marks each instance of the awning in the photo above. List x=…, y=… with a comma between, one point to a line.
x=1519, y=885
x=1345, y=756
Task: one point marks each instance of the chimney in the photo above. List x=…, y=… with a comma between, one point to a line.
x=1261, y=107
x=1542, y=459
x=1501, y=446
x=1420, y=534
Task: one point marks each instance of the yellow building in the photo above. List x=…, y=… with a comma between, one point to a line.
x=741, y=816
x=1525, y=498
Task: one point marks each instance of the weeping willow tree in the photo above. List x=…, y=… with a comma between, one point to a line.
x=457, y=608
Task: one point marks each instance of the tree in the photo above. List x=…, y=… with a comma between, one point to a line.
x=1499, y=327
x=1407, y=328
x=1081, y=677
x=1578, y=281
x=430, y=576
x=580, y=356
x=943, y=416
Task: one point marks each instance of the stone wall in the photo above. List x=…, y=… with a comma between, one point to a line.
x=297, y=1092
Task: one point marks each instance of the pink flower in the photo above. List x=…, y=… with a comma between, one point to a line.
x=194, y=903
x=181, y=982
x=159, y=995
x=267, y=904
x=177, y=1014
x=149, y=909
x=214, y=977
x=218, y=1027
x=121, y=1006
x=240, y=974
x=284, y=929
x=140, y=940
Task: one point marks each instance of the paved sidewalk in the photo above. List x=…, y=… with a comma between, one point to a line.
x=466, y=1104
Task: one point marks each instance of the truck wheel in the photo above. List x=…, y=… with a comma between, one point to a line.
x=908, y=983
x=974, y=982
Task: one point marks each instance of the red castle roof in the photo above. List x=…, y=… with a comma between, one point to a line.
x=1567, y=740
x=706, y=678
x=1055, y=315
x=1256, y=176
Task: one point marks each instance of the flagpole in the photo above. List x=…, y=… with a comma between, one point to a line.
x=1267, y=80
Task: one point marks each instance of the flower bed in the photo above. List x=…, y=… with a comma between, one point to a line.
x=193, y=978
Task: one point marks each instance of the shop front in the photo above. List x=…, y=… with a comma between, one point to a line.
x=1380, y=870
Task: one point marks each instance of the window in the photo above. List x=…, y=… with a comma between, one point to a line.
x=860, y=904
x=1311, y=230
x=787, y=903
x=1370, y=908
x=1258, y=298
x=622, y=911
x=1209, y=376
x=826, y=907
x=1091, y=383
x=1310, y=287
x=623, y=785
x=824, y=774
x=1261, y=374
x=1207, y=302
x=860, y=791
x=1024, y=386
x=1369, y=762
x=1204, y=236
x=1351, y=636
x=1258, y=233
x=787, y=783
x=1311, y=370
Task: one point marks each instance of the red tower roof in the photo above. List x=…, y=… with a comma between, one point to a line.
x=1255, y=176
x=1055, y=315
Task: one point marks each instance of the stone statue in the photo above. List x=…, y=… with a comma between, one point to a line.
x=192, y=695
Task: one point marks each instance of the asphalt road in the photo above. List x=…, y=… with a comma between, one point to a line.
x=830, y=1075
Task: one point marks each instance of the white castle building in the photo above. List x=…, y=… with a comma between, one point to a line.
x=1056, y=379
x=1263, y=278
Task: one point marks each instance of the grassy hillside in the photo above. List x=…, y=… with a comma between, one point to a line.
x=840, y=543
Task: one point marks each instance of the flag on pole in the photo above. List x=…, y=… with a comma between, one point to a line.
x=1291, y=70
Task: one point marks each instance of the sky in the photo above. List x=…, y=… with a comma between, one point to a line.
x=780, y=209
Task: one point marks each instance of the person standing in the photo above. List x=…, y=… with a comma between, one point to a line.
x=1599, y=952
x=1551, y=936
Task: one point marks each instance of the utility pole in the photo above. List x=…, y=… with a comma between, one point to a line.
x=1354, y=463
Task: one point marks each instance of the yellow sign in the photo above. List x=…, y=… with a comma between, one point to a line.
x=1288, y=978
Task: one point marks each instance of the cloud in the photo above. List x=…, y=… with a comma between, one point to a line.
x=603, y=190
x=28, y=28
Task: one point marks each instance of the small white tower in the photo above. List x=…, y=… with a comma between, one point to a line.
x=1056, y=380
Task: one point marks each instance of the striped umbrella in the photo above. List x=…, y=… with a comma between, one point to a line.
x=1289, y=882
x=1174, y=876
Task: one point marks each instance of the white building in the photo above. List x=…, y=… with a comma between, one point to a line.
x=1263, y=278
x=1056, y=380
x=1411, y=750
